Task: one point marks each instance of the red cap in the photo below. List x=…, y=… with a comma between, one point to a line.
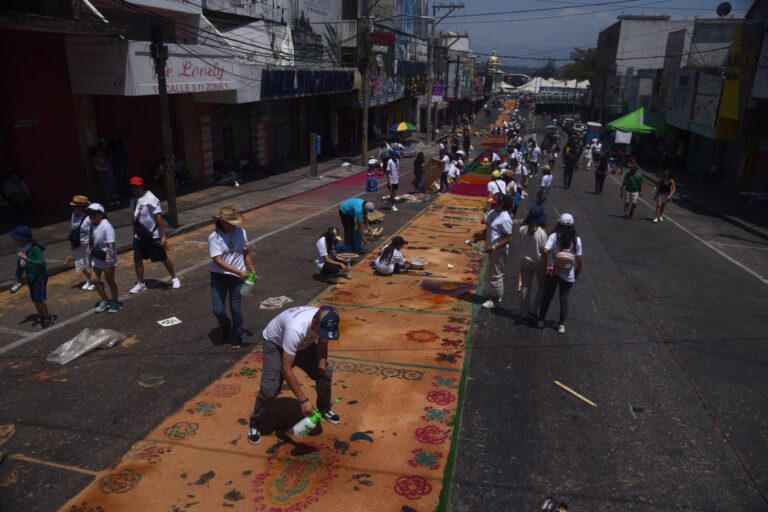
x=136, y=181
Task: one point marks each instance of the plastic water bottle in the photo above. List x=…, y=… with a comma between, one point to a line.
x=307, y=424
x=248, y=284
x=474, y=246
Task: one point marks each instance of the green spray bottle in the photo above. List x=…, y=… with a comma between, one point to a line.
x=309, y=423
x=248, y=284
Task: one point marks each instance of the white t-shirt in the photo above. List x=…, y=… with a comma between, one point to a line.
x=291, y=330
x=392, y=170
x=85, y=228
x=453, y=171
x=495, y=157
x=499, y=226
x=372, y=161
x=388, y=268
x=512, y=188
x=521, y=171
x=531, y=245
x=230, y=246
x=497, y=187
x=446, y=163
x=546, y=182
x=554, y=248
x=149, y=206
x=103, y=235
x=597, y=148
x=321, y=251
x=535, y=152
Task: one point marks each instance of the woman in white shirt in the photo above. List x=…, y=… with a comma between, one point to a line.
x=103, y=256
x=79, y=238
x=325, y=255
x=231, y=264
x=531, y=239
x=391, y=260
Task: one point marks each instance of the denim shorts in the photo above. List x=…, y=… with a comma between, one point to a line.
x=37, y=289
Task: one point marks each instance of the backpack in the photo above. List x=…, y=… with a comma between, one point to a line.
x=74, y=235
x=564, y=261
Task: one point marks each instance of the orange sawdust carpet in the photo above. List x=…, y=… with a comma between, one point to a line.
x=398, y=369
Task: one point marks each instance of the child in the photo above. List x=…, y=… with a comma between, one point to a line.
x=391, y=261
x=30, y=260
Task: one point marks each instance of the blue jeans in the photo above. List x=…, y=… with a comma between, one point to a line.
x=221, y=284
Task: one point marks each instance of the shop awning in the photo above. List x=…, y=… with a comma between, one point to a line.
x=639, y=121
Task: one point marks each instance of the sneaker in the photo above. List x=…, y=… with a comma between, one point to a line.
x=115, y=307
x=91, y=287
x=48, y=321
x=394, y=208
x=236, y=344
x=37, y=321
x=661, y=219
x=175, y=283
x=489, y=304
x=86, y=285
x=138, y=288
x=254, y=436
x=331, y=417
x=102, y=306
x=656, y=220
x=561, y=329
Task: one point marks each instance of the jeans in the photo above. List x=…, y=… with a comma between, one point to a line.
x=444, y=181
x=272, y=379
x=553, y=283
x=527, y=275
x=568, y=176
x=348, y=222
x=418, y=183
x=221, y=284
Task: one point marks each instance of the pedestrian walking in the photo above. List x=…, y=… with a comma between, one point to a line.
x=601, y=171
x=418, y=173
x=562, y=251
x=631, y=189
x=467, y=144
x=16, y=192
x=533, y=159
x=496, y=185
x=296, y=337
x=393, y=178
x=79, y=236
x=391, y=260
x=664, y=190
x=231, y=264
x=532, y=237
x=149, y=238
x=498, y=234
x=31, y=261
x=354, y=212
x=326, y=260
x=544, y=185
x=570, y=159
x=103, y=256
x=444, y=175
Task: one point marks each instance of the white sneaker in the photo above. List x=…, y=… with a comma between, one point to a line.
x=91, y=287
x=489, y=304
x=655, y=220
x=394, y=208
x=86, y=285
x=175, y=283
x=661, y=219
x=138, y=288
x=561, y=329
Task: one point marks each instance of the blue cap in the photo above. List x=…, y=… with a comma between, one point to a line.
x=328, y=323
x=21, y=234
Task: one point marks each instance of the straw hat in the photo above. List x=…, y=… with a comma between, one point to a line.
x=230, y=216
x=79, y=201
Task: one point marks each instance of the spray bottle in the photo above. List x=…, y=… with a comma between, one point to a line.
x=247, y=287
x=474, y=246
x=309, y=423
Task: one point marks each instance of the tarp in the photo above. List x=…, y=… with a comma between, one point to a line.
x=639, y=121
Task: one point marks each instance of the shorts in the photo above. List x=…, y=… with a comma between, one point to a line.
x=631, y=197
x=148, y=250
x=81, y=260
x=393, y=187
x=662, y=198
x=37, y=289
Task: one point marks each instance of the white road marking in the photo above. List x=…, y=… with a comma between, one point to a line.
x=17, y=332
x=631, y=411
x=707, y=244
x=182, y=272
x=740, y=246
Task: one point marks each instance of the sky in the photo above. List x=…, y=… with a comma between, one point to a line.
x=566, y=24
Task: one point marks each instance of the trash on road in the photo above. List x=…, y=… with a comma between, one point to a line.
x=169, y=322
x=85, y=341
x=275, y=302
x=574, y=393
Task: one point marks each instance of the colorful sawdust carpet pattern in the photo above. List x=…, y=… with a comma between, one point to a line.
x=398, y=369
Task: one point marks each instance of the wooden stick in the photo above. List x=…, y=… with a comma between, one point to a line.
x=577, y=395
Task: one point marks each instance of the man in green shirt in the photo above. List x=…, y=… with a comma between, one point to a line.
x=30, y=261
x=631, y=189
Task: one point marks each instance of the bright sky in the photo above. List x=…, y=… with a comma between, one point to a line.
x=567, y=23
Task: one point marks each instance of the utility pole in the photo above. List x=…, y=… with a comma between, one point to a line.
x=456, y=93
x=160, y=56
x=365, y=61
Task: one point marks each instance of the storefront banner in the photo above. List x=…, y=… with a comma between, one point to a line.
x=438, y=91
x=96, y=65
x=707, y=99
x=185, y=6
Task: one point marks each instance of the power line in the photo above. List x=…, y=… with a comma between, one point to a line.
x=541, y=9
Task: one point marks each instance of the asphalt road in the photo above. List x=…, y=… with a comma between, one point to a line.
x=667, y=334
x=70, y=422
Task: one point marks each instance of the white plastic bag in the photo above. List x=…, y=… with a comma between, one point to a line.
x=84, y=342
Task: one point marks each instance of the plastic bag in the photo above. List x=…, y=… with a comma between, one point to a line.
x=85, y=341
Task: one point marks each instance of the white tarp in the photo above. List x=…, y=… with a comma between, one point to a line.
x=623, y=137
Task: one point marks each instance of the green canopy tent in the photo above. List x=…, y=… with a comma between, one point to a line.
x=639, y=121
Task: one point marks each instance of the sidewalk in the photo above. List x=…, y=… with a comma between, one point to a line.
x=195, y=210
x=719, y=201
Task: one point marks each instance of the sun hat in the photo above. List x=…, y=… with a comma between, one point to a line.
x=230, y=216
x=565, y=219
x=136, y=181
x=79, y=201
x=21, y=234
x=496, y=174
x=536, y=216
x=95, y=207
x=327, y=323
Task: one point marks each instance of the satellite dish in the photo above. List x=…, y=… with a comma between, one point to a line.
x=724, y=9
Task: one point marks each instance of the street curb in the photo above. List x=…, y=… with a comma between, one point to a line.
x=60, y=268
x=746, y=226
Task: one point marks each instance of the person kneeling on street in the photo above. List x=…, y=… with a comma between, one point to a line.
x=296, y=337
x=391, y=260
x=326, y=260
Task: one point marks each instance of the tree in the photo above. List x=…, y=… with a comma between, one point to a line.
x=583, y=65
x=548, y=70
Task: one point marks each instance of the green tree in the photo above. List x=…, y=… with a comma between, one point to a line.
x=548, y=70
x=582, y=67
